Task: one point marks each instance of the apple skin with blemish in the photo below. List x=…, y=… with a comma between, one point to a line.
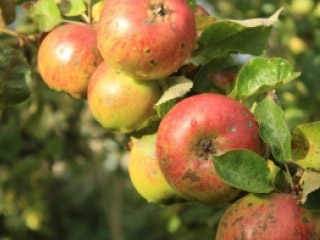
x=275, y=216
x=147, y=39
x=193, y=129
x=120, y=102
x=67, y=57
x=145, y=173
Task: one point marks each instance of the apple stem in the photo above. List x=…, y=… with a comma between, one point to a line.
x=85, y=18
x=289, y=174
x=90, y=12
x=9, y=32
x=73, y=22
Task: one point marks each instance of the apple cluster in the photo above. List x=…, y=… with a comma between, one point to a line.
x=118, y=66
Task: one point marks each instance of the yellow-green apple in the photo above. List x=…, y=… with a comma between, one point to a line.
x=147, y=39
x=190, y=132
x=68, y=56
x=145, y=172
x=120, y=102
x=275, y=216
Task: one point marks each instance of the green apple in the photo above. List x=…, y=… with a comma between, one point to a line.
x=120, y=102
x=145, y=173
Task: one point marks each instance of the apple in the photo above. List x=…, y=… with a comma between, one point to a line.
x=201, y=11
x=275, y=216
x=67, y=57
x=193, y=129
x=147, y=39
x=145, y=173
x=223, y=80
x=120, y=102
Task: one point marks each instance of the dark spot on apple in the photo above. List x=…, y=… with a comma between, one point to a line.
x=256, y=214
x=154, y=171
x=153, y=62
x=147, y=50
x=249, y=204
x=107, y=100
x=76, y=61
x=183, y=45
x=147, y=21
x=192, y=175
x=305, y=220
x=238, y=219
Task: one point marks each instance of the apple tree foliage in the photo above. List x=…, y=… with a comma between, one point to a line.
x=62, y=176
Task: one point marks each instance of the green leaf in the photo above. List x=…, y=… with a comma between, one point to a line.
x=245, y=170
x=306, y=145
x=273, y=129
x=311, y=191
x=10, y=141
x=228, y=36
x=260, y=75
x=96, y=9
x=149, y=126
x=192, y=4
x=203, y=81
x=14, y=73
x=312, y=202
x=176, y=88
x=225, y=37
x=45, y=13
x=311, y=183
x=73, y=7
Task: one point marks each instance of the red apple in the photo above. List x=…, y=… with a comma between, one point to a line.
x=120, y=102
x=201, y=11
x=193, y=129
x=223, y=80
x=275, y=216
x=147, y=39
x=67, y=58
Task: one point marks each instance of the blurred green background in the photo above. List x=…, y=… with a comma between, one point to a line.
x=62, y=176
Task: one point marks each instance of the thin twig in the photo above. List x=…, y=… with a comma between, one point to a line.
x=10, y=32
x=289, y=174
x=73, y=22
x=85, y=18
x=22, y=38
x=90, y=12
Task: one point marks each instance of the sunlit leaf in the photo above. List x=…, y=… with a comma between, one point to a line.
x=306, y=145
x=229, y=36
x=262, y=74
x=176, y=88
x=45, y=13
x=273, y=129
x=14, y=73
